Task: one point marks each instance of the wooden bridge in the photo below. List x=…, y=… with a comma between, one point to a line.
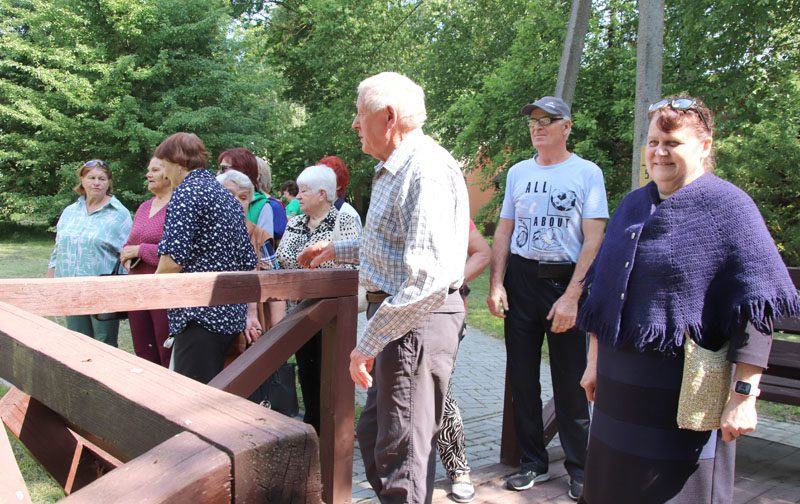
x=110, y=427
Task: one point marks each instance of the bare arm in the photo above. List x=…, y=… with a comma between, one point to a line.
x=478, y=255
x=167, y=265
x=497, y=300
x=589, y=379
x=565, y=309
x=739, y=416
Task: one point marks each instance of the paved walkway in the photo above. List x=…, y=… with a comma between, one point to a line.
x=478, y=387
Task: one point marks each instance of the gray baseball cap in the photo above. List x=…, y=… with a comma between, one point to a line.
x=550, y=104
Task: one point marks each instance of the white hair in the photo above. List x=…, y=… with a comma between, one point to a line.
x=264, y=175
x=319, y=177
x=239, y=179
x=396, y=90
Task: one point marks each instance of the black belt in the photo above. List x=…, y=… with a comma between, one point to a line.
x=552, y=270
x=377, y=297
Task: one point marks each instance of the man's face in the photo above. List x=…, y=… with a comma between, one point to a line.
x=373, y=130
x=552, y=135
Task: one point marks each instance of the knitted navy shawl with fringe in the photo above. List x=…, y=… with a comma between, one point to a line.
x=701, y=262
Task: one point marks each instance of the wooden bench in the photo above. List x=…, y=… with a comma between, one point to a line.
x=781, y=380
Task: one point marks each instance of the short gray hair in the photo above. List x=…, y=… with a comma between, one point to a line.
x=264, y=175
x=396, y=90
x=239, y=179
x=319, y=177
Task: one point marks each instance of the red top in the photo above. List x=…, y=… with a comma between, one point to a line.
x=146, y=232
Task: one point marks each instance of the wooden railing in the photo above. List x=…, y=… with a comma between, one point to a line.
x=85, y=409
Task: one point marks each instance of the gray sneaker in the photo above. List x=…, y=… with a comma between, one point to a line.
x=461, y=489
x=524, y=480
x=575, y=489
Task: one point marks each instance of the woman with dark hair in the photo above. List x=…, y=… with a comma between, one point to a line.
x=149, y=328
x=89, y=236
x=204, y=231
x=342, y=180
x=289, y=192
x=687, y=267
x=242, y=160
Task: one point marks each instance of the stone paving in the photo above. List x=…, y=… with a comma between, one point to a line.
x=478, y=387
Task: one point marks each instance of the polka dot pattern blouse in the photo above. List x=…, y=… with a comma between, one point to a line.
x=205, y=231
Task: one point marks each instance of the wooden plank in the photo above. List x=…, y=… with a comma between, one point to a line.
x=258, y=362
x=12, y=486
x=182, y=470
x=71, y=460
x=134, y=405
x=780, y=390
x=87, y=295
x=784, y=359
x=337, y=400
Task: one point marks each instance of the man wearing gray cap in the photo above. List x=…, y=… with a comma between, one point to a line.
x=551, y=226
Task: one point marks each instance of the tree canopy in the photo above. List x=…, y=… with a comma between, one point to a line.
x=81, y=79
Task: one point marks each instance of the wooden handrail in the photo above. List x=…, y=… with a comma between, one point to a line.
x=131, y=406
x=87, y=295
x=331, y=306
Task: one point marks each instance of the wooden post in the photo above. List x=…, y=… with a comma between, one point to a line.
x=573, y=49
x=649, y=50
x=12, y=486
x=337, y=404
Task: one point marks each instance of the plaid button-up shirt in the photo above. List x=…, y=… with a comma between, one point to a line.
x=414, y=242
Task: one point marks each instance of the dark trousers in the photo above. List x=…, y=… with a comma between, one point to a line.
x=200, y=353
x=403, y=414
x=530, y=299
x=149, y=330
x=309, y=373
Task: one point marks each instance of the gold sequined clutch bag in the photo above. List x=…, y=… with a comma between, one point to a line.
x=705, y=387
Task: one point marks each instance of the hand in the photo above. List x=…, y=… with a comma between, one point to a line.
x=563, y=314
x=129, y=252
x=738, y=417
x=497, y=301
x=360, y=368
x=589, y=380
x=316, y=254
x=252, y=329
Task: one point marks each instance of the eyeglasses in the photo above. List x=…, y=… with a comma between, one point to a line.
x=542, y=121
x=225, y=167
x=95, y=162
x=679, y=104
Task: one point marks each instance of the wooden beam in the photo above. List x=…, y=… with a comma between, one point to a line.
x=649, y=54
x=70, y=459
x=12, y=486
x=135, y=405
x=88, y=295
x=573, y=49
x=182, y=470
x=337, y=400
x=257, y=363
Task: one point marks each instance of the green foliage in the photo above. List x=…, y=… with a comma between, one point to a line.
x=109, y=79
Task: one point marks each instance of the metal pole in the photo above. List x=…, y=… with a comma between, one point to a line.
x=649, y=51
x=573, y=49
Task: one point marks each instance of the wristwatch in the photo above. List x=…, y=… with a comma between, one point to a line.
x=744, y=388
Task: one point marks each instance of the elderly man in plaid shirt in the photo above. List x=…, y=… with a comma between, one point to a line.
x=411, y=257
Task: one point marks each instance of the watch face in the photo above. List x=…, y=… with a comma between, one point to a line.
x=742, y=388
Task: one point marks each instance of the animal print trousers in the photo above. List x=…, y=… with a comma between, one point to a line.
x=451, y=443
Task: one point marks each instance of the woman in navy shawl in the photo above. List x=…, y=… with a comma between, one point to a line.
x=686, y=256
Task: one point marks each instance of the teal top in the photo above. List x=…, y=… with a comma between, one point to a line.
x=89, y=244
x=293, y=208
